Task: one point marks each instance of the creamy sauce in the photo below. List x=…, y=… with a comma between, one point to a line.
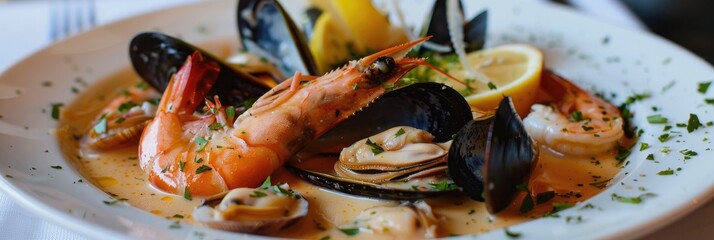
x=117, y=172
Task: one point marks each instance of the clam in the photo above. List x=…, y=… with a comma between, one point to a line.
x=420, y=109
x=156, y=56
x=489, y=157
x=410, y=221
x=267, y=30
x=254, y=210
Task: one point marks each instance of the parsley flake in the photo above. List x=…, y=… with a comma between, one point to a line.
x=657, y=119
x=632, y=200
x=349, y=231
x=203, y=168
x=643, y=146
x=266, y=184
x=666, y=172
x=258, y=194
x=444, y=186
x=56, y=167
x=703, y=87
x=200, y=143
x=56, y=110
x=187, y=194
x=376, y=149
x=182, y=164
x=400, y=132
x=512, y=234
x=492, y=86
x=693, y=123
x=576, y=116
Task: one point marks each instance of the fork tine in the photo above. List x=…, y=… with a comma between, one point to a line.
x=69, y=17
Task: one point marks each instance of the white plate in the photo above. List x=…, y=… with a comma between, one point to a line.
x=598, y=56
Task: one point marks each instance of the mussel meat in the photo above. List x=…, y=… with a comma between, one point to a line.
x=431, y=107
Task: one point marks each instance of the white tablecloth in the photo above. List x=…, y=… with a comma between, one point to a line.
x=21, y=38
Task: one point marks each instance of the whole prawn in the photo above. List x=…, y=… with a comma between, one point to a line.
x=193, y=155
x=577, y=122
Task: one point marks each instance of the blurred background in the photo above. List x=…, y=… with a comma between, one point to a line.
x=689, y=23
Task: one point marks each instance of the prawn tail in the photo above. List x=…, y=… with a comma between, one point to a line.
x=188, y=87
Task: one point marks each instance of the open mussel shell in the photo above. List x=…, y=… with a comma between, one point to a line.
x=360, y=188
x=437, y=27
x=267, y=30
x=433, y=107
x=156, y=57
x=490, y=157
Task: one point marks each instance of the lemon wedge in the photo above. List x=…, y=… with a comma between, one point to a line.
x=349, y=29
x=329, y=44
x=509, y=70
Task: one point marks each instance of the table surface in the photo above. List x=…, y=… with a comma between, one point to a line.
x=20, y=40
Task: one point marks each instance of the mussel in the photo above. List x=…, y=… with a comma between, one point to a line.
x=267, y=30
x=474, y=31
x=489, y=157
x=433, y=107
x=156, y=57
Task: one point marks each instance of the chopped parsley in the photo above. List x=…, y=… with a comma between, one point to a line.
x=247, y=104
x=197, y=160
x=376, y=149
x=349, y=231
x=650, y=157
x=203, y=168
x=703, y=87
x=632, y=200
x=544, y=197
x=492, y=86
x=601, y=184
x=622, y=154
x=669, y=171
x=230, y=112
x=664, y=137
x=200, y=143
x=656, y=119
x=266, y=184
x=258, y=194
x=56, y=110
x=643, y=146
x=444, y=186
x=693, y=123
x=56, y=167
x=215, y=126
x=187, y=194
x=101, y=126
x=182, y=164
x=400, y=132
x=576, y=116
x=115, y=202
x=178, y=216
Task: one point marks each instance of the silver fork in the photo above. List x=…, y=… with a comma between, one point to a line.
x=69, y=17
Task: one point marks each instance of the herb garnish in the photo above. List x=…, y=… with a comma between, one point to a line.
x=703, y=87
x=56, y=110
x=215, y=126
x=201, y=143
x=197, y=160
x=349, y=231
x=693, y=123
x=187, y=194
x=178, y=216
x=669, y=171
x=601, y=184
x=492, y=86
x=400, y=132
x=643, y=146
x=664, y=137
x=576, y=116
x=657, y=119
x=444, y=186
x=622, y=154
x=376, y=149
x=203, y=168
x=266, y=183
x=115, y=202
x=632, y=200
x=230, y=112
x=544, y=197
x=182, y=164
x=101, y=126
x=650, y=157
x=258, y=194
x=56, y=167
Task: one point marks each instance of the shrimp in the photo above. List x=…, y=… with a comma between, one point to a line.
x=122, y=121
x=577, y=122
x=204, y=156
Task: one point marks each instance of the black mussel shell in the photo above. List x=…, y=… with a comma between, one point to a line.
x=267, y=30
x=360, y=188
x=433, y=107
x=156, y=57
x=490, y=168
x=437, y=27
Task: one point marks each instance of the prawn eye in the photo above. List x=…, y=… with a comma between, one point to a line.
x=381, y=69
